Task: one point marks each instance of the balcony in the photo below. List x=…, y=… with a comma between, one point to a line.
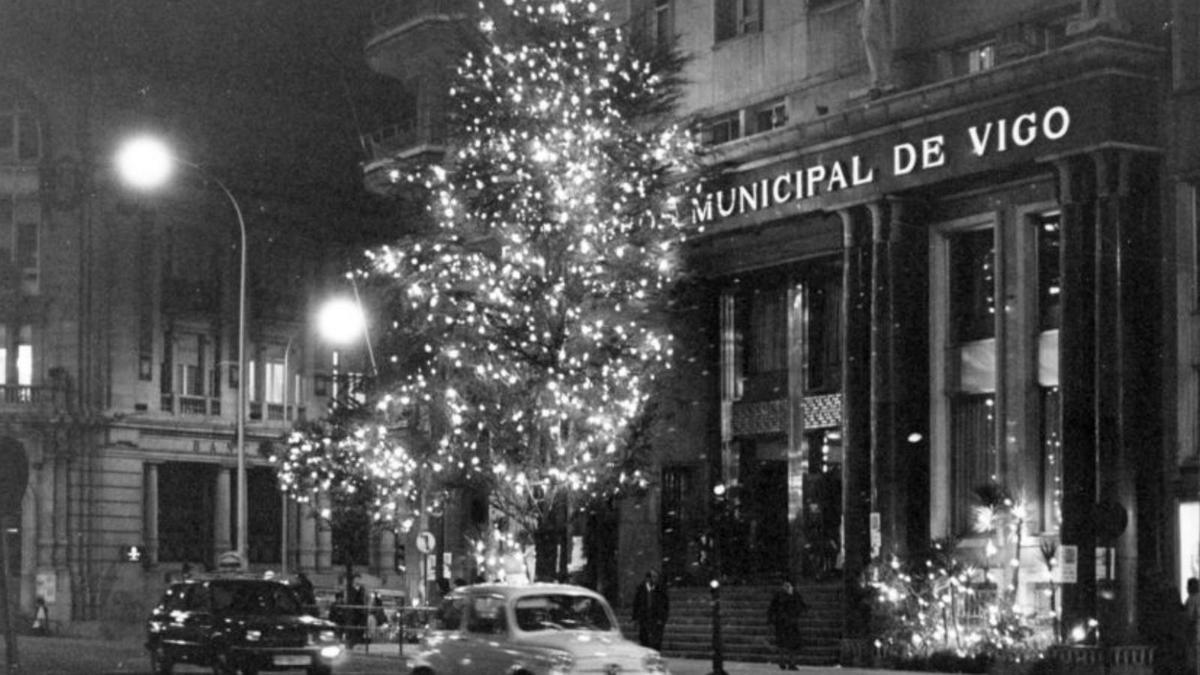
x=409, y=36
x=183, y=404
x=399, y=149
x=24, y=398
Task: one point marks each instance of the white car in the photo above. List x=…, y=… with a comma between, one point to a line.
x=529, y=629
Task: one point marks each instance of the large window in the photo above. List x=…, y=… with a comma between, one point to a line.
x=972, y=328
x=19, y=363
x=20, y=222
x=738, y=17
x=20, y=133
x=1048, y=240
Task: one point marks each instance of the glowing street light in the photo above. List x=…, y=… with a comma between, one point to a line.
x=146, y=163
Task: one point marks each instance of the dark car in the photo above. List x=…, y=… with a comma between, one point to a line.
x=239, y=624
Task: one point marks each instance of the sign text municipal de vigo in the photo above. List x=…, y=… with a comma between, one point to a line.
x=905, y=158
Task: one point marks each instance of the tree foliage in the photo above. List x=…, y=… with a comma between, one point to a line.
x=533, y=308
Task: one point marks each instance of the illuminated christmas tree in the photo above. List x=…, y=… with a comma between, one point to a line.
x=532, y=313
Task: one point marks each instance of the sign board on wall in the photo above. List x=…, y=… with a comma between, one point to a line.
x=47, y=586
x=1068, y=564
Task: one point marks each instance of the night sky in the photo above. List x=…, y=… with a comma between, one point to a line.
x=267, y=92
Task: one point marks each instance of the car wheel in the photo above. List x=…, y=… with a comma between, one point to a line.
x=159, y=663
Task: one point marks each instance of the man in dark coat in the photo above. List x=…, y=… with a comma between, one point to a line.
x=650, y=609
x=784, y=615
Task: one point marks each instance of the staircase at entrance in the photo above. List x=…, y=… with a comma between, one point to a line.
x=745, y=633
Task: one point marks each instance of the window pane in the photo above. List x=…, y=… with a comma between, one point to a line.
x=28, y=141
x=726, y=19
x=1051, y=433
x=765, y=330
x=25, y=356
x=1049, y=244
x=823, y=342
x=972, y=437
x=8, y=134
x=972, y=286
x=275, y=381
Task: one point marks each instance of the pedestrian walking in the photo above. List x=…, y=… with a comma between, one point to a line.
x=306, y=593
x=41, y=618
x=1192, y=607
x=651, y=607
x=784, y=616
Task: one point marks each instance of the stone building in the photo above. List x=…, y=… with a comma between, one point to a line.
x=949, y=245
x=119, y=341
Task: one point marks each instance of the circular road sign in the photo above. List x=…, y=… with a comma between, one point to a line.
x=426, y=542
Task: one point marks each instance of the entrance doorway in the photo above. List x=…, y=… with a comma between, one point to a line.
x=1189, y=544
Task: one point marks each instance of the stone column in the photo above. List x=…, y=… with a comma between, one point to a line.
x=883, y=431
x=222, y=530
x=856, y=411
x=385, y=561
x=1123, y=384
x=307, y=559
x=798, y=450
x=729, y=461
x=1077, y=358
x=899, y=372
x=61, y=510
x=45, y=512
x=150, y=511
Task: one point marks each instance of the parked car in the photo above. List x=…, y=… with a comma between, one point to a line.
x=239, y=624
x=534, y=629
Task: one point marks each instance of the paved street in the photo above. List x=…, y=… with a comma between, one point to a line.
x=78, y=656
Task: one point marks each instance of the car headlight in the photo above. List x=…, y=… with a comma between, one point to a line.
x=654, y=663
x=561, y=662
x=253, y=635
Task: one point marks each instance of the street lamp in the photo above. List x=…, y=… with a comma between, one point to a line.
x=145, y=163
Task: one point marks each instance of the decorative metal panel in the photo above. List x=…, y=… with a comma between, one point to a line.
x=823, y=411
x=760, y=417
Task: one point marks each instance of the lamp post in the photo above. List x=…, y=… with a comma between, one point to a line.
x=145, y=163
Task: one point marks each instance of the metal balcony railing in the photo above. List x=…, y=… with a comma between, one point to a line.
x=393, y=13
x=183, y=404
x=28, y=395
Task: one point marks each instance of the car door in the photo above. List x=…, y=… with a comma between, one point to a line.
x=449, y=647
x=166, y=622
x=197, y=623
x=487, y=642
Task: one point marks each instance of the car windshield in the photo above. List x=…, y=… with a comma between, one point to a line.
x=561, y=612
x=265, y=598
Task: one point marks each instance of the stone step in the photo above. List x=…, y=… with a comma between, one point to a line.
x=745, y=633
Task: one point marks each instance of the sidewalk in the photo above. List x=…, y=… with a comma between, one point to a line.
x=678, y=666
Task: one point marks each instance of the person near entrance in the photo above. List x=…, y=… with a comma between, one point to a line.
x=1192, y=607
x=650, y=609
x=784, y=616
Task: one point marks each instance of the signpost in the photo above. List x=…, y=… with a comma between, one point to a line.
x=426, y=542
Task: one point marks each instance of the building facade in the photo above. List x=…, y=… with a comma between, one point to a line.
x=942, y=253
x=120, y=374
x=949, y=251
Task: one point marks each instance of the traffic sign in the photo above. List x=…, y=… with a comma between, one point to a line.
x=426, y=542
x=135, y=553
